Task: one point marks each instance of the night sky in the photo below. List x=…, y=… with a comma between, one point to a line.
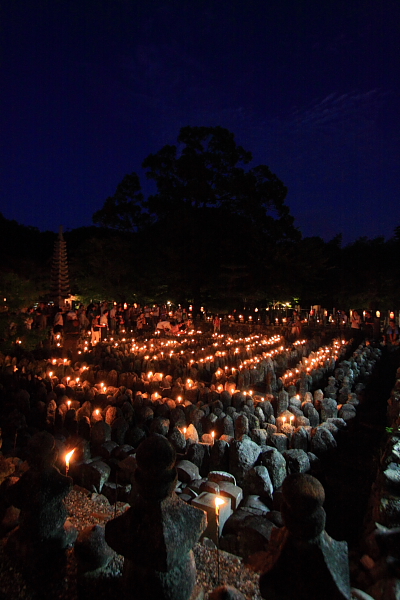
x=90, y=87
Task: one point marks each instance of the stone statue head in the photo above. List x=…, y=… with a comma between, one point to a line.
x=156, y=475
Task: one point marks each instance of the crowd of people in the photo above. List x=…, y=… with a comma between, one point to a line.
x=110, y=318
x=103, y=319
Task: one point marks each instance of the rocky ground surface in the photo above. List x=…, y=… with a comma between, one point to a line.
x=94, y=509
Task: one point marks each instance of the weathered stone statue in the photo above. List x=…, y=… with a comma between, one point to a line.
x=43, y=532
x=303, y=562
x=157, y=534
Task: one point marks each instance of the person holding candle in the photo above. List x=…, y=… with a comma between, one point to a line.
x=104, y=324
x=217, y=324
x=95, y=329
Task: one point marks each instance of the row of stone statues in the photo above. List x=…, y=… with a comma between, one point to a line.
x=156, y=535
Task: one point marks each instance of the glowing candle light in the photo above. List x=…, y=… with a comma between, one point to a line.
x=218, y=502
x=67, y=459
x=69, y=404
x=213, y=436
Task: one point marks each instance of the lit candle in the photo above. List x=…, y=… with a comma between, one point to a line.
x=213, y=436
x=218, y=503
x=69, y=404
x=67, y=459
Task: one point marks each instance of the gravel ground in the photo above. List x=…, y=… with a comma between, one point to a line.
x=86, y=509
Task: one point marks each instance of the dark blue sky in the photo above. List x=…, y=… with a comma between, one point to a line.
x=90, y=87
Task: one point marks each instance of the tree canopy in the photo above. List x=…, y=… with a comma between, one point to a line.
x=207, y=197
x=207, y=169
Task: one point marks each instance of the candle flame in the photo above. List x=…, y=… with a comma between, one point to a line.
x=213, y=434
x=218, y=503
x=68, y=456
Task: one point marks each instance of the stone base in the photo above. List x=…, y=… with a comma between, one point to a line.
x=197, y=594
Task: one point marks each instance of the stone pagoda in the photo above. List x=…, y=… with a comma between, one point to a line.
x=60, y=289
